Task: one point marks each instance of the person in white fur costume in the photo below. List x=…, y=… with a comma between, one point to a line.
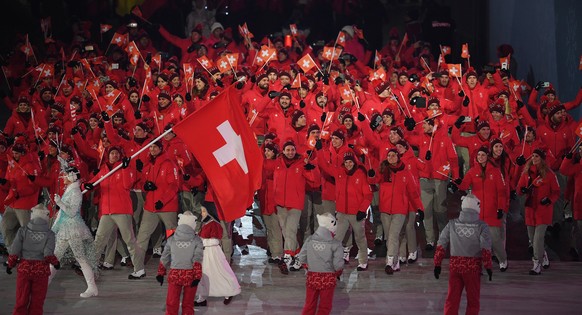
x=71, y=231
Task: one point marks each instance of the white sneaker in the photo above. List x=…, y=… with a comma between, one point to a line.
x=503, y=266
x=545, y=261
x=537, y=268
x=396, y=266
x=137, y=275
x=402, y=260
x=157, y=252
x=412, y=257
x=346, y=255
x=296, y=265
x=362, y=267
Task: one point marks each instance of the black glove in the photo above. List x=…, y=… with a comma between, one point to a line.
x=74, y=130
x=287, y=87
x=125, y=162
x=459, y=122
x=188, y=96
x=239, y=85
x=95, y=171
x=8, y=270
x=413, y=78
x=149, y=186
x=490, y=273
x=437, y=272
x=371, y=173
x=218, y=45
x=89, y=103
x=104, y=116
x=159, y=205
x=138, y=165
x=309, y=166
x=569, y=155
x=195, y=283
x=219, y=83
x=525, y=190
x=325, y=79
x=145, y=98
x=31, y=177
x=137, y=114
x=419, y=215
x=302, y=103
x=89, y=186
x=520, y=160
x=513, y=195
x=186, y=177
x=274, y=94
x=361, y=117
x=461, y=93
x=3, y=181
x=323, y=116
x=466, y=101
x=194, y=190
x=409, y=123
x=545, y=201
x=520, y=104
x=318, y=145
x=160, y=279
x=131, y=81
x=452, y=186
x=428, y=155
x=538, y=85
x=41, y=155
x=361, y=215
x=499, y=214
x=58, y=265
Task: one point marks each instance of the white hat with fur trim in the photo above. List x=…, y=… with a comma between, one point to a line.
x=187, y=218
x=40, y=211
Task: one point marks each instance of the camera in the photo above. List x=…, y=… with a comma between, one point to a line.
x=132, y=24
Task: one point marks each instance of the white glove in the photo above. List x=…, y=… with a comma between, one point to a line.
x=57, y=198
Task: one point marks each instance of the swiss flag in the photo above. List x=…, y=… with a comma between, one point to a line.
x=120, y=39
x=188, y=69
x=227, y=151
x=265, y=55
x=133, y=53
x=296, y=82
x=377, y=58
x=504, y=62
x=293, y=29
x=445, y=169
x=205, y=62
x=105, y=28
x=579, y=130
x=330, y=53
x=341, y=38
x=222, y=64
x=446, y=50
x=306, y=63
x=157, y=59
x=358, y=32
x=345, y=92
x=379, y=74
x=455, y=70
x=311, y=141
x=27, y=49
x=465, y=51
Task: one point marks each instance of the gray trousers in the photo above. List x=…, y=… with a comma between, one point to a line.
x=559, y=211
x=408, y=243
x=392, y=224
x=108, y=225
x=433, y=194
x=289, y=220
x=12, y=220
x=497, y=242
x=376, y=221
x=536, y=236
x=226, y=240
x=344, y=221
x=274, y=236
x=115, y=244
x=149, y=223
x=312, y=207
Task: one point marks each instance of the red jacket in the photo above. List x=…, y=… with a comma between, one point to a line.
x=114, y=190
x=442, y=152
x=23, y=193
x=164, y=174
x=266, y=193
x=399, y=192
x=541, y=187
x=489, y=186
x=352, y=191
x=333, y=157
x=559, y=140
x=289, y=182
x=570, y=168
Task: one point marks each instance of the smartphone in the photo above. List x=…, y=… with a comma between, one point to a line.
x=114, y=66
x=467, y=119
x=89, y=48
x=546, y=84
x=133, y=24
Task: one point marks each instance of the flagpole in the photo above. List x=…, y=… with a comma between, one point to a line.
x=60, y=84
x=145, y=147
x=405, y=103
x=267, y=61
x=41, y=72
x=6, y=78
x=142, y=91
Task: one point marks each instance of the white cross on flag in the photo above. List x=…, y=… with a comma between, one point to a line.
x=445, y=169
x=133, y=53
x=579, y=130
x=232, y=60
x=341, y=38
x=306, y=63
x=227, y=151
x=264, y=55
x=455, y=70
x=445, y=50
x=222, y=64
x=205, y=62
x=293, y=29
x=330, y=53
x=105, y=28
x=345, y=92
x=119, y=39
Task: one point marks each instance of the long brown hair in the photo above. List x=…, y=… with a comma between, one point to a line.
x=542, y=168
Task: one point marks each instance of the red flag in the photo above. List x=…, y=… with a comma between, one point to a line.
x=404, y=40
x=232, y=60
x=306, y=63
x=244, y=31
x=330, y=53
x=579, y=130
x=133, y=53
x=345, y=92
x=465, y=51
x=188, y=69
x=445, y=169
x=504, y=62
x=222, y=64
x=445, y=50
x=137, y=12
x=293, y=28
x=379, y=74
x=377, y=58
x=341, y=38
x=105, y=28
x=228, y=152
x=48, y=70
x=157, y=59
x=311, y=141
x=265, y=54
x=358, y=32
x=441, y=61
x=296, y=82
x=120, y=39
x=205, y=62
x=27, y=49
x=455, y=70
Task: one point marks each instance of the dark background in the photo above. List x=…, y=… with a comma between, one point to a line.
x=545, y=34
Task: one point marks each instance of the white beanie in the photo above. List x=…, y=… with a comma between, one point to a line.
x=470, y=202
x=328, y=221
x=214, y=26
x=187, y=218
x=39, y=211
x=349, y=30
